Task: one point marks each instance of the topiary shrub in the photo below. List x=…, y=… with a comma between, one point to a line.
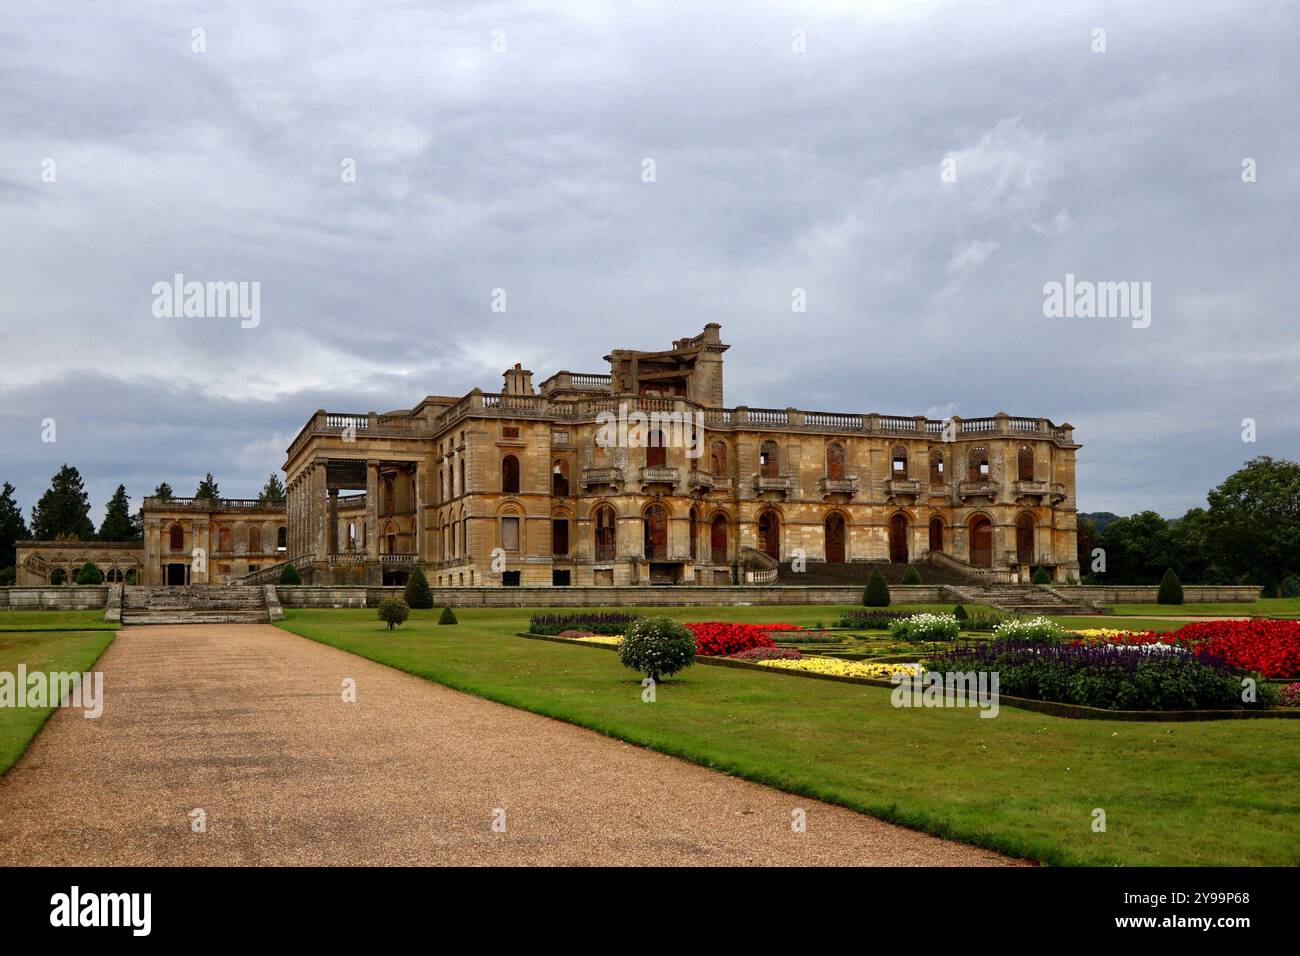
x=877, y=592
x=290, y=575
x=911, y=575
x=417, y=591
x=90, y=574
x=447, y=616
x=394, y=611
x=1171, y=589
x=960, y=613
x=7, y=576
x=1041, y=576
x=658, y=646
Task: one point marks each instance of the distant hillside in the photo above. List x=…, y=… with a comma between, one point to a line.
x=1099, y=519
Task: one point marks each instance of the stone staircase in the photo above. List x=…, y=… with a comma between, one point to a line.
x=197, y=604
x=855, y=573
x=1027, y=599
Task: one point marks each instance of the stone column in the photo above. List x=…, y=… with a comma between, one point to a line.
x=332, y=538
x=372, y=510
x=319, y=529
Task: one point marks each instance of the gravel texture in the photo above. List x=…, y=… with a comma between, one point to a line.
x=247, y=722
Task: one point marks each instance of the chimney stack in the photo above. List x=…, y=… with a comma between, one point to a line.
x=518, y=381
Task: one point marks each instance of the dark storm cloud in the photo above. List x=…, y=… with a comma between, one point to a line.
x=521, y=170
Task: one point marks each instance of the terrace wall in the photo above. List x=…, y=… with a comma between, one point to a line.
x=53, y=598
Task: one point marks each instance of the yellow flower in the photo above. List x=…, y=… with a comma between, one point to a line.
x=840, y=668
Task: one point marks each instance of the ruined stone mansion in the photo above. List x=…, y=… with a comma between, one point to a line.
x=636, y=475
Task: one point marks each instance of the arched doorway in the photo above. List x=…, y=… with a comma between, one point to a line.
x=656, y=533
x=769, y=534
x=898, y=539
x=835, y=538
x=718, y=539
x=981, y=542
x=936, y=534
x=1025, y=539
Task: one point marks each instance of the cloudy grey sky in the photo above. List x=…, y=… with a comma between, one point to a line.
x=521, y=169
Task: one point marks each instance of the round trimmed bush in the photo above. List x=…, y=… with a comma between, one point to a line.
x=447, y=617
x=1041, y=576
x=658, y=646
x=393, y=611
x=960, y=612
x=911, y=575
x=877, y=592
x=417, y=591
x=290, y=575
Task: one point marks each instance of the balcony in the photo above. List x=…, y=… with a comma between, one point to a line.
x=705, y=481
x=979, y=488
x=780, y=484
x=659, y=475
x=902, y=487
x=839, y=486
x=595, y=477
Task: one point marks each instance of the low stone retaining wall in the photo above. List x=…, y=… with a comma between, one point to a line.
x=1146, y=593
x=687, y=596
x=71, y=598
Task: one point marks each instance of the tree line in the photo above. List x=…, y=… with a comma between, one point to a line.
x=1248, y=533
x=63, y=513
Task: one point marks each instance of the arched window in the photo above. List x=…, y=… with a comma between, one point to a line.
x=936, y=468
x=977, y=464
x=352, y=536
x=1025, y=463
x=176, y=538
x=835, y=461
x=769, y=460
x=769, y=534
x=718, y=539
x=58, y=577
x=390, y=538
x=606, y=534
x=442, y=484
x=898, y=462
x=560, y=478
x=656, y=533
x=225, y=540
x=510, y=475
x=981, y=542
x=656, y=452
x=718, y=456
x=390, y=504
x=695, y=532
x=559, y=536
x=254, y=540
x=282, y=538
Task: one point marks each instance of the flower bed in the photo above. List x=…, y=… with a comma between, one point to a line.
x=768, y=654
x=724, y=639
x=1289, y=696
x=1109, y=676
x=926, y=627
x=1036, y=630
x=555, y=624
x=839, y=668
x=1270, y=647
x=870, y=620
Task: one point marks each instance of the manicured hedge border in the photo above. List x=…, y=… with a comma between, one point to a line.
x=1054, y=708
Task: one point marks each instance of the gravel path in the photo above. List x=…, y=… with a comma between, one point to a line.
x=247, y=723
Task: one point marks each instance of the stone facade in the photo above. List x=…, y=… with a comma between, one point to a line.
x=186, y=541
x=642, y=475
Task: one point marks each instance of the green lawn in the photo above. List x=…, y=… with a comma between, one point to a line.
x=1264, y=607
x=54, y=621
x=1217, y=792
x=41, y=651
